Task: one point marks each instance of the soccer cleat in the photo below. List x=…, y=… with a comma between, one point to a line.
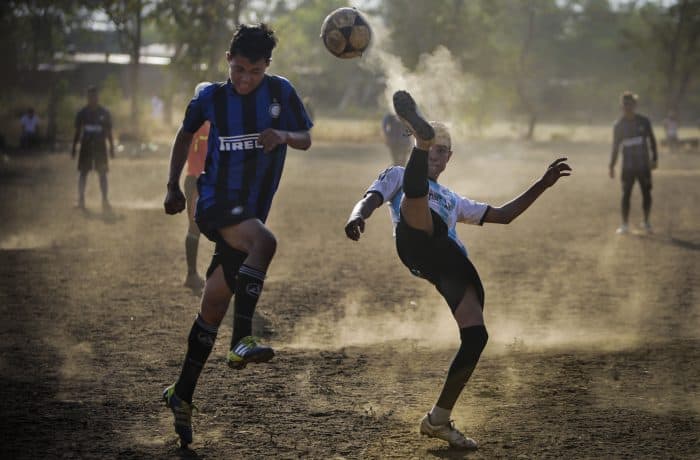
x=446, y=432
x=247, y=351
x=405, y=108
x=183, y=415
x=622, y=229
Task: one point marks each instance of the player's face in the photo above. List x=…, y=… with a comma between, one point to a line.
x=628, y=108
x=438, y=156
x=92, y=98
x=246, y=75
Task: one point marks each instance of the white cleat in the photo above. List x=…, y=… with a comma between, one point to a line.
x=646, y=227
x=446, y=432
x=622, y=229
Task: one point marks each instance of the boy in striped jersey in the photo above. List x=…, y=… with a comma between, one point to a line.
x=253, y=118
x=633, y=132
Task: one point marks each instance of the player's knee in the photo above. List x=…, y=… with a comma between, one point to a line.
x=266, y=244
x=473, y=342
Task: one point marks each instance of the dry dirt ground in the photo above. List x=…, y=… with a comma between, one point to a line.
x=595, y=338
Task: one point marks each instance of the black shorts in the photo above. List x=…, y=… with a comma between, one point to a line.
x=629, y=176
x=439, y=259
x=211, y=219
x=92, y=159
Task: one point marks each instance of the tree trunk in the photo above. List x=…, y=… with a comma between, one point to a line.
x=237, y=9
x=135, y=58
x=522, y=74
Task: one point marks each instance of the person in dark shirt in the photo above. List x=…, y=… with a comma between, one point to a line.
x=253, y=118
x=634, y=133
x=396, y=138
x=93, y=128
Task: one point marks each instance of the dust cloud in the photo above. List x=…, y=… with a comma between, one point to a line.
x=362, y=321
x=443, y=90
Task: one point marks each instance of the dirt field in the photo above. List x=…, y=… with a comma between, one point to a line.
x=594, y=338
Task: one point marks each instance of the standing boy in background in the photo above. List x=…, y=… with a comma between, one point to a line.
x=634, y=133
x=93, y=128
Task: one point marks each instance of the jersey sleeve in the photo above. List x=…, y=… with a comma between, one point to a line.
x=297, y=119
x=388, y=183
x=470, y=211
x=194, y=115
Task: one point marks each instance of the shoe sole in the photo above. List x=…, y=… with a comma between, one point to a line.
x=405, y=107
x=262, y=357
x=453, y=446
x=428, y=435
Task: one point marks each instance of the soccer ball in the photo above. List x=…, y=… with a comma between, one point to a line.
x=346, y=33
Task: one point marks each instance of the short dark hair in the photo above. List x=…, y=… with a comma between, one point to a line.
x=628, y=96
x=92, y=89
x=253, y=41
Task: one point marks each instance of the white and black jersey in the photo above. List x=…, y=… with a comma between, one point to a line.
x=451, y=207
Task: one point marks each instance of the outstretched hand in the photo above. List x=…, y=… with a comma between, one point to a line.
x=555, y=171
x=355, y=227
x=174, y=200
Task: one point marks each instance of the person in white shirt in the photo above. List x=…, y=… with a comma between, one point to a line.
x=29, y=138
x=425, y=214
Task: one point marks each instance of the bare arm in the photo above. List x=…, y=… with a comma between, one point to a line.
x=506, y=213
x=111, y=142
x=652, y=143
x=362, y=210
x=76, y=138
x=617, y=140
x=175, y=199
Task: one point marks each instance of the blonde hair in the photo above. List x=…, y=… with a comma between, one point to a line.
x=442, y=134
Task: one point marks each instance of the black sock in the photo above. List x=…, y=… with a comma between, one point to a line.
x=199, y=345
x=191, y=246
x=415, y=176
x=249, y=285
x=474, y=340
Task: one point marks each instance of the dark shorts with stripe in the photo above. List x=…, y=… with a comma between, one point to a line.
x=439, y=259
x=211, y=219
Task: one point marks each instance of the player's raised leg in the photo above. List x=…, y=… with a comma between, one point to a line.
x=252, y=237
x=414, y=207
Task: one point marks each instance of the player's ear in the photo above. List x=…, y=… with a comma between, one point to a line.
x=228, y=56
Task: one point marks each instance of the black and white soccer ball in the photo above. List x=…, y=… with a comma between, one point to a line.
x=346, y=33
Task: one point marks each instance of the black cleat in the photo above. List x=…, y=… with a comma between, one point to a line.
x=405, y=108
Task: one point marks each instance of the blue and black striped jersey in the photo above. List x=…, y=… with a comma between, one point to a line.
x=238, y=175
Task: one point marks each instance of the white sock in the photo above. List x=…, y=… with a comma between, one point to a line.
x=439, y=416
